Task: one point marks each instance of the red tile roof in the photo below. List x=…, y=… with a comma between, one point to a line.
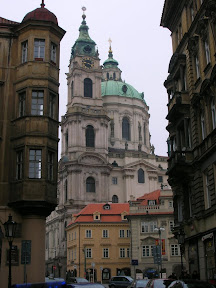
x=106, y=215
x=150, y=196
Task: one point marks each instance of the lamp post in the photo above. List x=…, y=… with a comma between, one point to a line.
x=10, y=228
x=159, y=229
x=181, y=239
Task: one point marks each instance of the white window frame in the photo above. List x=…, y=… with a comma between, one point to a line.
x=105, y=233
x=53, y=52
x=147, y=251
x=39, y=49
x=122, y=233
x=88, y=233
x=105, y=252
x=35, y=163
x=174, y=250
x=37, y=105
x=88, y=252
x=152, y=226
x=122, y=252
x=144, y=227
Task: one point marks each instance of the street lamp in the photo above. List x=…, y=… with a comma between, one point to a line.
x=181, y=239
x=159, y=229
x=10, y=228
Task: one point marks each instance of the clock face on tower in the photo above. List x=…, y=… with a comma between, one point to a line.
x=87, y=63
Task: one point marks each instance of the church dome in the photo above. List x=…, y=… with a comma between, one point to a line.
x=119, y=88
x=41, y=14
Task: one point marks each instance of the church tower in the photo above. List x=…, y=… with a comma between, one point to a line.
x=84, y=163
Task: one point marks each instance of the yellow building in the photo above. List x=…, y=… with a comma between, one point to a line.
x=29, y=85
x=98, y=242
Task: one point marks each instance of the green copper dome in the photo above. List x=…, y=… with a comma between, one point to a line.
x=119, y=88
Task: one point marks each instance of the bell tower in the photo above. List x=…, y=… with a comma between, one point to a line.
x=84, y=157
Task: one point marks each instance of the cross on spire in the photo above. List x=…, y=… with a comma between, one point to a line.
x=110, y=41
x=42, y=4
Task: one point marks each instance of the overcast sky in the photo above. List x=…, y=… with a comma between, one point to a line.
x=140, y=45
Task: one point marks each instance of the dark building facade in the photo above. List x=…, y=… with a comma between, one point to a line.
x=29, y=85
x=191, y=87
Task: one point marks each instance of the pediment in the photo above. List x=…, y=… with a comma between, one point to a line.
x=91, y=159
x=141, y=164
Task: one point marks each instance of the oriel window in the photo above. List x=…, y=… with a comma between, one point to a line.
x=37, y=103
x=22, y=98
x=39, y=49
x=35, y=160
x=24, y=51
x=19, y=165
x=53, y=52
x=50, y=165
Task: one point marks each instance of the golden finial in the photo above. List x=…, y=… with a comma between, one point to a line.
x=110, y=48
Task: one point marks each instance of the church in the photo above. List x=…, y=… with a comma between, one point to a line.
x=106, y=155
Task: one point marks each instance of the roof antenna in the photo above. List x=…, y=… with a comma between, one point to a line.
x=42, y=4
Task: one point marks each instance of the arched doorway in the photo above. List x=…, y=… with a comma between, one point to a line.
x=106, y=275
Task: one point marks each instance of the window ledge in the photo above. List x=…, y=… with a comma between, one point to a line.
x=38, y=59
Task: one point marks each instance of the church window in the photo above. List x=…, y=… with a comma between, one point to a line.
x=125, y=129
x=66, y=190
x=72, y=89
x=90, y=136
x=90, y=184
x=88, y=88
x=160, y=179
x=114, y=180
x=141, y=176
x=114, y=76
x=144, y=133
x=107, y=75
x=39, y=49
x=66, y=140
x=37, y=105
x=24, y=51
x=115, y=199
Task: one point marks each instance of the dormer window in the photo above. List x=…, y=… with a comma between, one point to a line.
x=124, y=216
x=97, y=216
x=106, y=207
x=152, y=202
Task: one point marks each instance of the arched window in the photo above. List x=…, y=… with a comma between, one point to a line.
x=72, y=89
x=90, y=184
x=66, y=140
x=88, y=88
x=141, y=176
x=90, y=137
x=125, y=129
x=144, y=133
x=114, y=75
x=107, y=75
x=115, y=199
x=66, y=190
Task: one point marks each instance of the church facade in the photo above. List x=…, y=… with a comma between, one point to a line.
x=106, y=151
